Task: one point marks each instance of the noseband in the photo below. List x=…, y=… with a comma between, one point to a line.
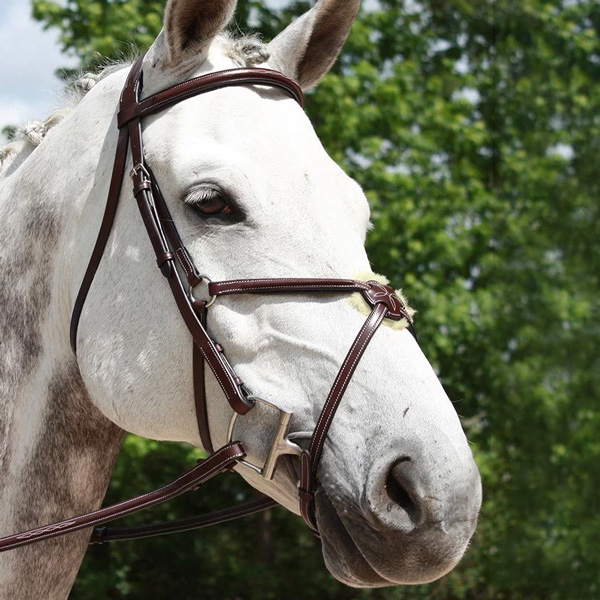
x=177, y=266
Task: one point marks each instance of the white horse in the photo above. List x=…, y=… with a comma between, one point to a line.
x=399, y=492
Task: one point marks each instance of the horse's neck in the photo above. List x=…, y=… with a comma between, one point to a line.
x=56, y=450
x=57, y=464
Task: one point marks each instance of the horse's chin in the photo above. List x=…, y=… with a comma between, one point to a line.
x=345, y=553
x=342, y=556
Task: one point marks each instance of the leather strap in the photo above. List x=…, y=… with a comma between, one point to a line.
x=200, y=392
x=304, y=285
x=222, y=460
x=112, y=534
x=310, y=459
x=186, y=262
x=207, y=83
x=110, y=210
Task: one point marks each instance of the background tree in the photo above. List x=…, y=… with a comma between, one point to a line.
x=474, y=128
x=9, y=132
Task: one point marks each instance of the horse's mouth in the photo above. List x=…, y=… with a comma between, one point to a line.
x=342, y=555
x=361, y=551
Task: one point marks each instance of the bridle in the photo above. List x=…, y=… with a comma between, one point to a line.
x=177, y=266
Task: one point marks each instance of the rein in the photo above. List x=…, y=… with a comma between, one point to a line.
x=177, y=266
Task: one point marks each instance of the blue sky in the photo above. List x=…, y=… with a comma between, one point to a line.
x=28, y=58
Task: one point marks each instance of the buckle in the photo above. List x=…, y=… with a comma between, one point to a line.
x=139, y=168
x=280, y=446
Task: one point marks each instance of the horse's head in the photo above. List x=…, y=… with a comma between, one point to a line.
x=254, y=194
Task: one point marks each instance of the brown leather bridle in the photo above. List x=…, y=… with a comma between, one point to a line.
x=177, y=266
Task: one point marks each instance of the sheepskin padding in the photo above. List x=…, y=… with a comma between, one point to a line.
x=357, y=301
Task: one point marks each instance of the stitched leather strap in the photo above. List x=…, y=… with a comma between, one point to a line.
x=267, y=286
x=222, y=460
x=200, y=391
x=310, y=459
x=111, y=534
x=186, y=262
x=207, y=83
x=110, y=210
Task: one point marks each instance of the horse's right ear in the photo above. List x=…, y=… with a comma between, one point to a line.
x=307, y=48
x=189, y=28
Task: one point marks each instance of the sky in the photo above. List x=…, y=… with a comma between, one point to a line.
x=29, y=56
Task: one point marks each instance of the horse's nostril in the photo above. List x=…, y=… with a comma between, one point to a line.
x=398, y=489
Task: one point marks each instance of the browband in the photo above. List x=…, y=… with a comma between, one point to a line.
x=208, y=83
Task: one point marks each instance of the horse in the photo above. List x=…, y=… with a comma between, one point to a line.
x=253, y=194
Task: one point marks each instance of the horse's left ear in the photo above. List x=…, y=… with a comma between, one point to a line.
x=307, y=48
x=191, y=25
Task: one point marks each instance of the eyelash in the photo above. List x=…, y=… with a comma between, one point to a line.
x=202, y=197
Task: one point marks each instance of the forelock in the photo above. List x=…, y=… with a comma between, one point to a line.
x=246, y=51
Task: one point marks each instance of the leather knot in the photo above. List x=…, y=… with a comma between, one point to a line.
x=378, y=293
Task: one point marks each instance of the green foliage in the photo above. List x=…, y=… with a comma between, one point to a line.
x=473, y=127
x=96, y=30
x=9, y=132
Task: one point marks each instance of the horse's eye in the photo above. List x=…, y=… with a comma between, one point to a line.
x=213, y=206
x=208, y=201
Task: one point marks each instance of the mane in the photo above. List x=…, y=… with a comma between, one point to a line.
x=33, y=133
x=246, y=51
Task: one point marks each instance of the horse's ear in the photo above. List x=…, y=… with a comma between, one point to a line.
x=190, y=26
x=307, y=48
